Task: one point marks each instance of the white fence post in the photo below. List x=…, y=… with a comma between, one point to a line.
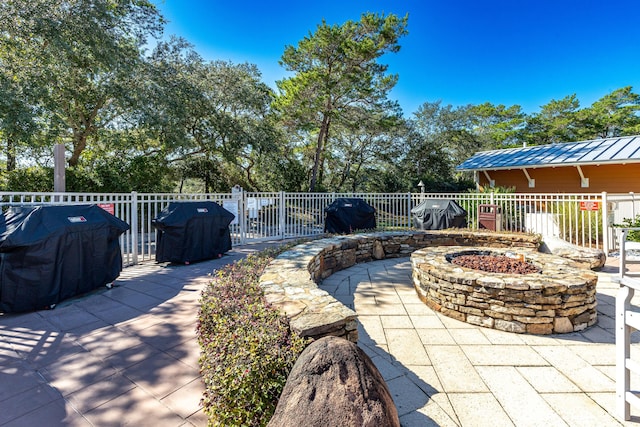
x=605, y=223
x=134, y=227
x=283, y=216
x=623, y=352
x=242, y=217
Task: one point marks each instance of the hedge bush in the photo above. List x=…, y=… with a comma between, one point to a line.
x=247, y=347
x=633, y=235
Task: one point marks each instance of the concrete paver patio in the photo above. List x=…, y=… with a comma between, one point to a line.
x=128, y=356
x=443, y=372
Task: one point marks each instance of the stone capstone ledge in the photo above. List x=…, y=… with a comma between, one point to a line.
x=290, y=281
x=590, y=258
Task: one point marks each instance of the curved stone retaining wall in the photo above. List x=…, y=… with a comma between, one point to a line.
x=289, y=281
x=561, y=298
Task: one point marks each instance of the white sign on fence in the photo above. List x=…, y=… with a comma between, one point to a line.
x=254, y=204
x=231, y=206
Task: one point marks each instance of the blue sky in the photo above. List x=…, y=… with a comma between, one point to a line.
x=459, y=52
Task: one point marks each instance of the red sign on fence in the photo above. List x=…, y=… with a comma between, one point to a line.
x=109, y=207
x=589, y=206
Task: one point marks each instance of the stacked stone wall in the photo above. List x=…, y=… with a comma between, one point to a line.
x=561, y=298
x=290, y=281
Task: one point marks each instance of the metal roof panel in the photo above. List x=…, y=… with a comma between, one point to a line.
x=604, y=150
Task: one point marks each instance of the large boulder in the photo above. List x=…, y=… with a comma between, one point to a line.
x=334, y=383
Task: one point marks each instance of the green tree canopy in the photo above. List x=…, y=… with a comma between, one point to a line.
x=556, y=122
x=77, y=72
x=615, y=114
x=336, y=69
x=83, y=57
x=211, y=113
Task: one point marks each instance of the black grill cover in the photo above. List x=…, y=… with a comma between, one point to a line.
x=439, y=214
x=51, y=253
x=346, y=215
x=192, y=231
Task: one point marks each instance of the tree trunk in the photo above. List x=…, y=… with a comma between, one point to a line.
x=83, y=127
x=79, y=144
x=354, y=183
x=345, y=174
x=250, y=180
x=11, y=154
x=318, y=157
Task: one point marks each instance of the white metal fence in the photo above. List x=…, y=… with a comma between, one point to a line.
x=582, y=219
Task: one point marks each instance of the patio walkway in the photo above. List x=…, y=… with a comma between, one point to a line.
x=443, y=372
x=128, y=356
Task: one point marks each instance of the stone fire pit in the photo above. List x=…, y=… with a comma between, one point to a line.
x=559, y=298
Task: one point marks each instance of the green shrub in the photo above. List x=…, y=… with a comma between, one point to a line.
x=575, y=224
x=34, y=178
x=247, y=347
x=633, y=235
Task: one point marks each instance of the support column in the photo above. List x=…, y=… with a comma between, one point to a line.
x=59, y=168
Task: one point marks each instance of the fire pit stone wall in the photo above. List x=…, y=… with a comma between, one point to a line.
x=290, y=281
x=561, y=298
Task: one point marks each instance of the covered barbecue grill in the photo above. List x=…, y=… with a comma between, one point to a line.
x=192, y=231
x=439, y=214
x=345, y=215
x=52, y=253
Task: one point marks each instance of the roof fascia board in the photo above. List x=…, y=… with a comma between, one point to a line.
x=556, y=165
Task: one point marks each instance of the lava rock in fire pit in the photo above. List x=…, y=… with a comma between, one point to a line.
x=495, y=264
